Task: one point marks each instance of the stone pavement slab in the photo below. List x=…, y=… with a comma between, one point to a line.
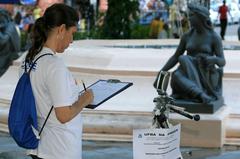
x=118, y=150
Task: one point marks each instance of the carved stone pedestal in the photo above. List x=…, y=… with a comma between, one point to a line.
x=208, y=132
x=193, y=107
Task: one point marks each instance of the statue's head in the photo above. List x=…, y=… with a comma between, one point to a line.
x=201, y=15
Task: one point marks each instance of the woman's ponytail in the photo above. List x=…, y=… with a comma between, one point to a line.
x=38, y=37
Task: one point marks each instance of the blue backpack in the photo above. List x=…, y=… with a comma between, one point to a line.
x=23, y=114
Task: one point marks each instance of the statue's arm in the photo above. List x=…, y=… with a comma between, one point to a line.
x=218, y=50
x=174, y=59
x=4, y=38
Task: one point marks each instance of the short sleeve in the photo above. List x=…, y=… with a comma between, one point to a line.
x=59, y=84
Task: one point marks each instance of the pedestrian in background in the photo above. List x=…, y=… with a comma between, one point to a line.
x=156, y=27
x=54, y=85
x=222, y=11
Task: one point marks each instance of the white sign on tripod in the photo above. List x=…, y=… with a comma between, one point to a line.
x=157, y=143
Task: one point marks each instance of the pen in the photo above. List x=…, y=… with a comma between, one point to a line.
x=84, y=86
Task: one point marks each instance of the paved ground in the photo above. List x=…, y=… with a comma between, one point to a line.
x=118, y=150
x=123, y=150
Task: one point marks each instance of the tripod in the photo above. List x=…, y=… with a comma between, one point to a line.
x=164, y=104
x=164, y=107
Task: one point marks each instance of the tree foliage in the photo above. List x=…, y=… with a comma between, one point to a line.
x=121, y=14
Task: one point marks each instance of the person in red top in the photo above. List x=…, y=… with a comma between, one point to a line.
x=223, y=10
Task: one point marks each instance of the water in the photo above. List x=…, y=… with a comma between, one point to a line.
x=225, y=47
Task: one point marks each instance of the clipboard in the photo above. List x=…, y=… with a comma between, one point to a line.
x=103, y=90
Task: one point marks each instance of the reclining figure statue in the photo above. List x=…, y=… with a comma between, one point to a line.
x=200, y=59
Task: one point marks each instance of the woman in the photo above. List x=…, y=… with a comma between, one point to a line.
x=53, y=85
x=197, y=77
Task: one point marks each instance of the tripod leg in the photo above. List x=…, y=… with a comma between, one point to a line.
x=164, y=125
x=163, y=121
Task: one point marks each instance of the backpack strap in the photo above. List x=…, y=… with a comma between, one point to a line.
x=25, y=66
x=29, y=73
x=45, y=121
x=35, y=62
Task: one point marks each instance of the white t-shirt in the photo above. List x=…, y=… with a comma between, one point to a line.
x=53, y=84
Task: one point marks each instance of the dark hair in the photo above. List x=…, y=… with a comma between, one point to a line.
x=54, y=16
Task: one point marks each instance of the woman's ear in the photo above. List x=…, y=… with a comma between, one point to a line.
x=61, y=28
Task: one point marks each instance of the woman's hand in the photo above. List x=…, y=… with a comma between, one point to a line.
x=87, y=97
x=66, y=113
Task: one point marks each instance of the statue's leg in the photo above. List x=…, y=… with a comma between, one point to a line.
x=186, y=80
x=188, y=68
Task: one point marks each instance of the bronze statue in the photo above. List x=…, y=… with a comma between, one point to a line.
x=198, y=77
x=9, y=41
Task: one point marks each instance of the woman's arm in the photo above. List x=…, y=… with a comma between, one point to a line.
x=66, y=113
x=59, y=83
